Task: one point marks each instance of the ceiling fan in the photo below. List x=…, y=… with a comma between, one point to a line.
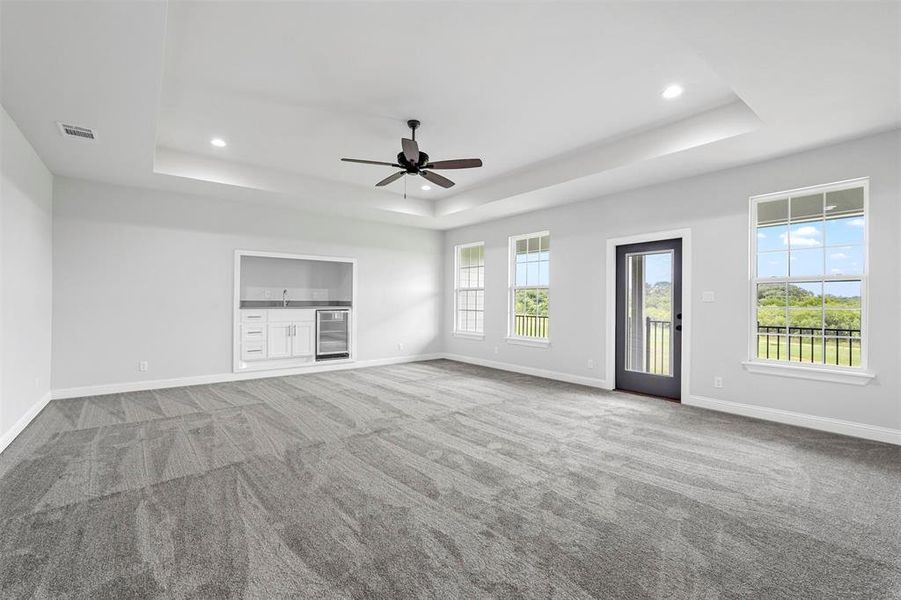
x=414, y=162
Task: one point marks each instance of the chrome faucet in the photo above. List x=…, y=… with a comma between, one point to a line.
x=285, y=298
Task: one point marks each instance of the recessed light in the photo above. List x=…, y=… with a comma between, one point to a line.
x=673, y=91
x=218, y=142
x=426, y=188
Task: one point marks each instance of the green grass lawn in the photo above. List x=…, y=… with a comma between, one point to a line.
x=841, y=352
x=659, y=355
x=531, y=327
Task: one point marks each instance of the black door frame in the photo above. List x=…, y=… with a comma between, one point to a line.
x=669, y=387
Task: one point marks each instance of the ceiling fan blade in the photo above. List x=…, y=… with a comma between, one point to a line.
x=370, y=162
x=390, y=178
x=437, y=179
x=460, y=163
x=411, y=150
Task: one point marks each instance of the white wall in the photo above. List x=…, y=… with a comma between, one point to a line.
x=148, y=275
x=25, y=280
x=303, y=279
x=715, y=207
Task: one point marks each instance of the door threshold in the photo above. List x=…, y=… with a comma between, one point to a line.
x=673, y=400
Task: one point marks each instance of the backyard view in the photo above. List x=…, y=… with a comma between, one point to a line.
x=649, y=312
x=531, y=318
x=809, y=278
x=658, y=312
x=815, y=322
x=530, y=286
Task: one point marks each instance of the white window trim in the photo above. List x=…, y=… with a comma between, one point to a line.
x=511, y=338
x=832, y=373
x=470, y=335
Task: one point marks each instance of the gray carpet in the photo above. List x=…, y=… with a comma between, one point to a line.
x=438, y=480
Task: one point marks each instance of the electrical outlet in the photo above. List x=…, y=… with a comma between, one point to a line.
x=267, y=294
x=590, y=363
x=708, y=297
x=497, y=350
x=143, y=366
x=717, y=382
x=400, y=346
x=37, y=383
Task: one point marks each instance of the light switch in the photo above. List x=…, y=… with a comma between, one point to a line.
x=708, y=297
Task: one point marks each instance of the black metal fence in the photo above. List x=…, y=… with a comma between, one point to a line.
x=530, y=326
x=839, y=347
x=656, y=347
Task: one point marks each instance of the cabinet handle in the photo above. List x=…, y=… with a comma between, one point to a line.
x=257, y=350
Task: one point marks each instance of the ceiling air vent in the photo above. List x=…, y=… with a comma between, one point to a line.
x=77, y=132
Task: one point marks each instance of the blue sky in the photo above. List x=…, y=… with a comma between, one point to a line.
x=839, y=241
x=658, y=267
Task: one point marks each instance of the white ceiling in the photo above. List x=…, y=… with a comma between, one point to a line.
x=561, y=100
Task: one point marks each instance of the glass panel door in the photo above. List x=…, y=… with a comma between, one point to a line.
x=649, y=312
x=649, y=318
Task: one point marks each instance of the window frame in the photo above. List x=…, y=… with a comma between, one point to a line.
x=456, y=330
x=857, y=374
x=512, y=338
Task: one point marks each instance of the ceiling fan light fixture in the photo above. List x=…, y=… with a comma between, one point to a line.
x=415, y=162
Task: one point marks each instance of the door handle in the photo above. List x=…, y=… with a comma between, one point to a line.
x=678, y=328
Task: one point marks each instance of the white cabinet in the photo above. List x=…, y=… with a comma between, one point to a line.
x=277, y=337
x=303, y=342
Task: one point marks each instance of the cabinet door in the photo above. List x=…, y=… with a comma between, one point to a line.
x=278, y=340
x=303, y=343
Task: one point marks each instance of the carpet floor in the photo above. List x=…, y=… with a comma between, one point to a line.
x=438, y=480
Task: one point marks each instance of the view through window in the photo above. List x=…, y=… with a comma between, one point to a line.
x=810, y=275
x=530, y=285
x=469, y=293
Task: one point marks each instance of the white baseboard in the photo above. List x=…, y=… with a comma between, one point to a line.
x=158, y=384
x=859, y=430
x=8, y=436
x=547, y=374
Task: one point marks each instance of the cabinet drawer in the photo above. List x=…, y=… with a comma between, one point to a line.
x=292, y=315
x=253, y=316
x=252, y=331
x=253, y=350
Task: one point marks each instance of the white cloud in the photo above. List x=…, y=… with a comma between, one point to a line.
x=806, y=235
x=858, y=222
x=806, y=230
x=760, y=235
x=838, y=255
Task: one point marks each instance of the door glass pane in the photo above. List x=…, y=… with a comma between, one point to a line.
x=649, y=313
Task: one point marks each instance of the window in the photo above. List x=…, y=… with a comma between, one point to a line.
x=809, y=276
x=530, y=257
x=469, y=289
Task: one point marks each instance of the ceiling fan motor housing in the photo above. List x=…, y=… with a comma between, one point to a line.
x=413, y=167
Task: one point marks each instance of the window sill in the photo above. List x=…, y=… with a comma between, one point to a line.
x=469, y=336
x=534, y=343
x=832, y=375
